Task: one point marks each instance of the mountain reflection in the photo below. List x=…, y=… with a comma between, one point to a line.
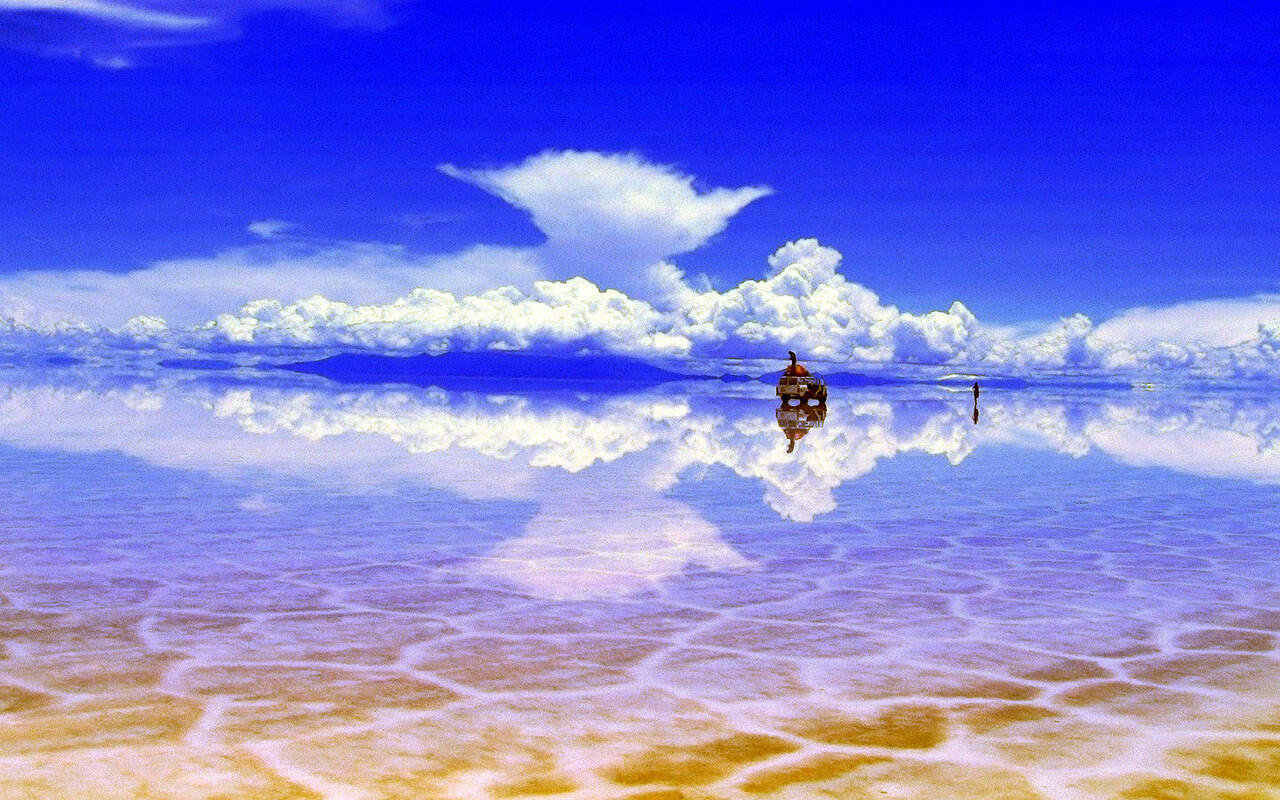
x=488, y=446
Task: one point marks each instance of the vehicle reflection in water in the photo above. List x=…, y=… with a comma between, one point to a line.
x=488, y=446
x=797, y=421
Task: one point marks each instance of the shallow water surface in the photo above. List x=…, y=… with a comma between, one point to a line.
x=239, y=586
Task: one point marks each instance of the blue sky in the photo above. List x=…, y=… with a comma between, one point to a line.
x=1031, y=164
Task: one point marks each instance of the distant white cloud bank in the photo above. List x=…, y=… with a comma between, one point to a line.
x=603, y=281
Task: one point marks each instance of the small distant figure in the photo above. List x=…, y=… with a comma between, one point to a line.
x=796, y=370
x=976, y=391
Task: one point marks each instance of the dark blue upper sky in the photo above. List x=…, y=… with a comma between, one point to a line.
x=1030, y=165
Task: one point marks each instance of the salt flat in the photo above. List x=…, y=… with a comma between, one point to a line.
x=238, y=586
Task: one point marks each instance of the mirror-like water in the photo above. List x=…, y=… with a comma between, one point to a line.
x=246, y=586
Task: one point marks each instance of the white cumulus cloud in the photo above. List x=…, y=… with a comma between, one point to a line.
x=655, y=213
x=604, y=281
x=614, y=215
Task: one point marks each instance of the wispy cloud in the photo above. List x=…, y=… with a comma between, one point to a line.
x=418, y=220
x=110, y=33
x=118, y=13
x=1213, y=323
x=269, y=228
x=188, y=291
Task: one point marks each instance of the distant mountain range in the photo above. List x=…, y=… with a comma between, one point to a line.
x=497, y=368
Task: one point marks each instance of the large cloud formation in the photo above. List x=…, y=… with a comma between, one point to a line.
x=618, y=220
x=610, y=216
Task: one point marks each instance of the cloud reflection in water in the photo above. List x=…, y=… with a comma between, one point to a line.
x=600, y=468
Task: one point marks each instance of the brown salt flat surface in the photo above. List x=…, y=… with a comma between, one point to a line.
x=1043, y=628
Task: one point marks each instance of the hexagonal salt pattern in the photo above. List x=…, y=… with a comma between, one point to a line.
x=288, y=591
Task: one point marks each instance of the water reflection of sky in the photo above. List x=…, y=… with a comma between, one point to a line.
x=620, y=489
x=252, y=583
x=365, y=438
